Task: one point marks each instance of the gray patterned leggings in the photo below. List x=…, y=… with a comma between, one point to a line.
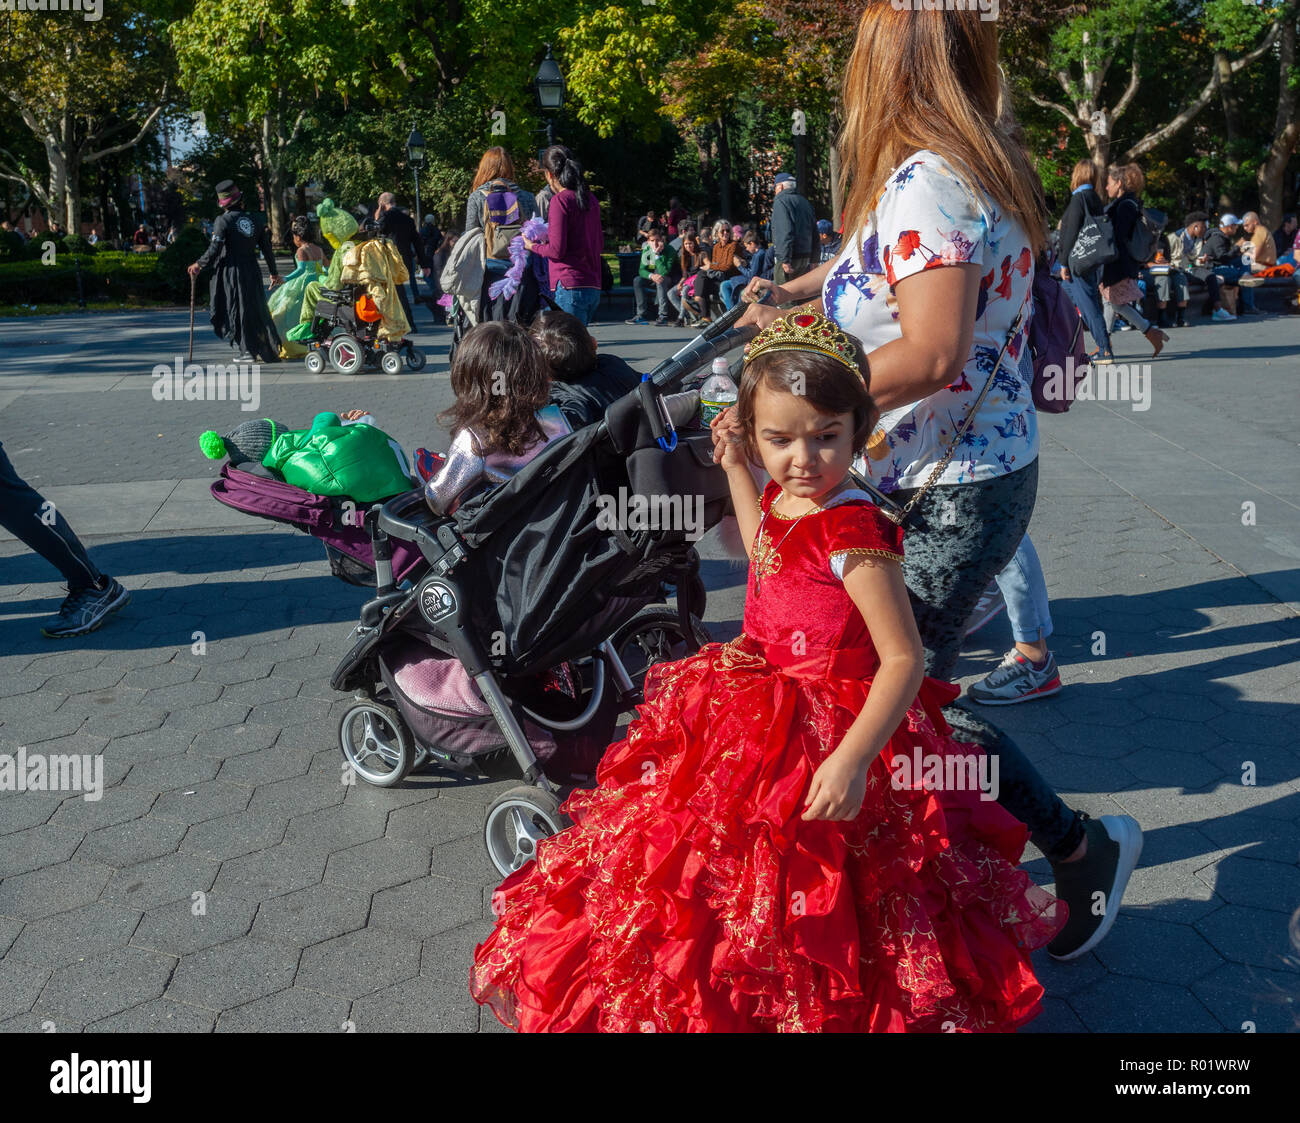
x=960, y=536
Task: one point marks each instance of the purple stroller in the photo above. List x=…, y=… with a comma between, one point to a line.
x=339, y=523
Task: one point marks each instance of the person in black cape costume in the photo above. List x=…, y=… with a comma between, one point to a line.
x=238, y=304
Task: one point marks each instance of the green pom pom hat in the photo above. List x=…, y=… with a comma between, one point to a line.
x=250, y=441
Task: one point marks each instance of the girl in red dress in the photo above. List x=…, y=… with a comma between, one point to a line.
x=760, y=852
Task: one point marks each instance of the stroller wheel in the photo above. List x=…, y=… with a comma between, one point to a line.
x=314, y=361
x=653, y=635
x=517, y=821
x=346, y=354
x=415, y=358
x=390, y=362
x=376, y=742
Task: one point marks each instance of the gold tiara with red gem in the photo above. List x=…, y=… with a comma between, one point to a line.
x=804, y=330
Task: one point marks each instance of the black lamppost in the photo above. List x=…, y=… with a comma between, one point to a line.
x=415, y=157
x=549, y=85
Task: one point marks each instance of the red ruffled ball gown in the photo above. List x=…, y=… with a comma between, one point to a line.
x=690, y=894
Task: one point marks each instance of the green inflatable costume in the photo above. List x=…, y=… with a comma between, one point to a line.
x=357, y=461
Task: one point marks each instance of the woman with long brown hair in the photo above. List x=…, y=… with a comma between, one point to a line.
x=944, y=219
x=495, y=165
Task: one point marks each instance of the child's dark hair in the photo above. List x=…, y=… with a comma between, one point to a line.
x=301, y=226
x=566, y=345
x=500, y=380
x=828, y=385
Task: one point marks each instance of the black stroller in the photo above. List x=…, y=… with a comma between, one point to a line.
x=537, y=618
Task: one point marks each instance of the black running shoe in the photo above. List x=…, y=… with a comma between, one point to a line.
x=1093, y=887
x=86, y=609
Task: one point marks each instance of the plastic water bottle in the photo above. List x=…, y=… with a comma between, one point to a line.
x=718, y=391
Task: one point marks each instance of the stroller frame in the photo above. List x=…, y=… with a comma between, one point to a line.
x=436, y=607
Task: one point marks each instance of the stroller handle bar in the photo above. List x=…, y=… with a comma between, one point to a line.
x=717, y=339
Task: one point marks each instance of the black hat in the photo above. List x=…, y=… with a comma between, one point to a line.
x=227, y=192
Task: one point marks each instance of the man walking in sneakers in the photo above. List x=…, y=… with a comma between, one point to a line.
x=34, y=520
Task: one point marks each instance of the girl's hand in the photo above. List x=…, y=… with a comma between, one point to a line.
x=838, y=788
x=728, y=440
x=529, y=245
x=353, y=414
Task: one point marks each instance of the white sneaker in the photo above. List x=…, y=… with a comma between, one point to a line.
x=1222, y=315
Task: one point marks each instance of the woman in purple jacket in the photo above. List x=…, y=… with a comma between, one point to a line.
x=574, y=238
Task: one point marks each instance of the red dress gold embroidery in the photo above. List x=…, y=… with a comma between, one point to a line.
x=691, y=895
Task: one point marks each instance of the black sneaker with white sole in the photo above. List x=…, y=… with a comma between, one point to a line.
x=1093, y=887
x=84, y=610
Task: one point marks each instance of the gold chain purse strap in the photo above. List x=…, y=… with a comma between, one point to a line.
x=891, y=510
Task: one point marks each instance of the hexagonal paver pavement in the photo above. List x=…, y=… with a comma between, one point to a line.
x=230, y=974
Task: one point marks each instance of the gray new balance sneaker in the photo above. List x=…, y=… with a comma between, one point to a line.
x=86, y=609
x=1016, y=679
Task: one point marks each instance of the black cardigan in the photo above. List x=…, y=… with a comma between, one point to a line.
x=1125, y=213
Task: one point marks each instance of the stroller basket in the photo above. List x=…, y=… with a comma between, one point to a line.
x=334, y=521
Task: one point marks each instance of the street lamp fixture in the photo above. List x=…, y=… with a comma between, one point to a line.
x=549, y=85
x=415, y=158
x=415, y=149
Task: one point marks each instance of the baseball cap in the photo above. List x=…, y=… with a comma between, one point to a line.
x=824, y=226
x=784, y=177
x=1229, y=220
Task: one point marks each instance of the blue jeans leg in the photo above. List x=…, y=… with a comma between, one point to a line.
x=1025, y=591
x=1083, y=290
x=580, y=303
x=730, y=287
x=25, y=513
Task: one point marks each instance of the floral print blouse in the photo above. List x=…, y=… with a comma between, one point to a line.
x=926, y=218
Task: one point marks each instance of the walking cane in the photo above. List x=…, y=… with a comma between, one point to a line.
x=194, y=281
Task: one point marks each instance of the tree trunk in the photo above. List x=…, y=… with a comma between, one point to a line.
x=72, y=218
x=833, y=166
x=273, y=175
x=724, y=170
x=1231, y=111
x=1271, y=176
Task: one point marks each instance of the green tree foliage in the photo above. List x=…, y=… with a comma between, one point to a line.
x=85, y=91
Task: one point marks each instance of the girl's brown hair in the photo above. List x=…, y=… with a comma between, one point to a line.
x=500, y=380
x=930, y=80
x=827, y=384
x=1085, y=171
x=1130, y=175
x=496, y=164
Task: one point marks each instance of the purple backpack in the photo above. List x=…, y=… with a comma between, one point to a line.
x=503, y=220
x=1055, y=345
